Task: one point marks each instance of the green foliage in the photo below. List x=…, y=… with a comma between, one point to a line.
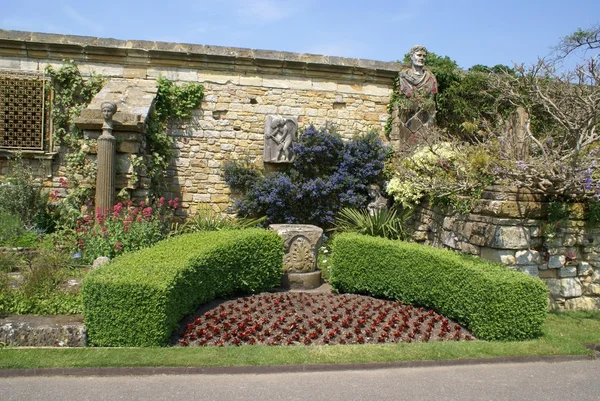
x=177, y=101
x=464, y=101
x=172, y=102
x=15, y=302
x=444, y=173
x=140, y=297
x=71, y=94
x=593, y=213
x=391, y=224
x=492, y=301
x=240, y=175
x=11, y=227
x=206, y=219
x=40, y=293
x=21, y=196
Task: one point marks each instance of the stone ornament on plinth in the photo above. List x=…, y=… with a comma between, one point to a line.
x=105, y=178
x=301, y=244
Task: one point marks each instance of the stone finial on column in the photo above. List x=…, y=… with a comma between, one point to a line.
x=105, y=178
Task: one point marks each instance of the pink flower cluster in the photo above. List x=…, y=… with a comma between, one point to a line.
x=124, y=227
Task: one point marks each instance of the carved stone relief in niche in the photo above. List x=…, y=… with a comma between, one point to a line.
x=300, y=256
x=280, y=134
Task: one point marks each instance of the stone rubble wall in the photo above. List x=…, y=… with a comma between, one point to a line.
x=42, y=331
x=507, y=226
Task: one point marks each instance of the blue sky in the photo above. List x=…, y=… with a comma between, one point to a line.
x=470, y=32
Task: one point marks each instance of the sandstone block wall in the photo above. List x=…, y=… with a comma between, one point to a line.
x=242, y=87
x=509, y=225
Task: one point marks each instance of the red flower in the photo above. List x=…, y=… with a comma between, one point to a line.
x=147, y=212
x=99, y=215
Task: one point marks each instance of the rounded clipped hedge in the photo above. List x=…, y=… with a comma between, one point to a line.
x=139, y=298
x=492, y=301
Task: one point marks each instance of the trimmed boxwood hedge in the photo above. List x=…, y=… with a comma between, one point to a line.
x=139, y=298
x=492, y=301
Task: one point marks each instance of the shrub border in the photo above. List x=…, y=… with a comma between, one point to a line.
x=139, y=298
x=491, y=300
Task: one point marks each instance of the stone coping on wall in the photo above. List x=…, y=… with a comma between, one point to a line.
x=36, y=45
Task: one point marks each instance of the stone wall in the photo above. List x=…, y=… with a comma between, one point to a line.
x=509, y=225
x=242, y=87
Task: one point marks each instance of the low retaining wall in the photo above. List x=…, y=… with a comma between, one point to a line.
x=507, y=226
x=43, y=331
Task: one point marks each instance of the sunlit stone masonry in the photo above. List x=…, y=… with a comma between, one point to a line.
x=509, y=225
x=242, y=87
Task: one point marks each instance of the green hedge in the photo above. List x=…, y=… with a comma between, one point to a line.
x=139, y=298
x=492, y=301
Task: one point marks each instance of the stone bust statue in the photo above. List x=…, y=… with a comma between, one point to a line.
x=108, y=111
x=416, y=105
x=417, y=79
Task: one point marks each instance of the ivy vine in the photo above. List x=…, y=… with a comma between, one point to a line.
x=172, y=102
x=71, y=94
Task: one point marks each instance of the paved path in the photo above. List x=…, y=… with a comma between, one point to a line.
x=564, y=381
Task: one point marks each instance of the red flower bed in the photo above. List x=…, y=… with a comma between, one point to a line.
x=305, y=318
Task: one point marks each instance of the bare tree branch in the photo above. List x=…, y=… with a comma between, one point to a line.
x=582, y=39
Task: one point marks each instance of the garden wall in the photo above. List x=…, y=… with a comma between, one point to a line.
x=242, y=87
x=510, y=225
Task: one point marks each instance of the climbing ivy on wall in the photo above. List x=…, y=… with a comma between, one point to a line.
x=71, y=94
x=172, y=102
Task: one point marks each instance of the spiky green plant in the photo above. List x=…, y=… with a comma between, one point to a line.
x=206, y=219
x=391, y=224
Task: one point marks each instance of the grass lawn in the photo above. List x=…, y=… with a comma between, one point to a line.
x=564, y=334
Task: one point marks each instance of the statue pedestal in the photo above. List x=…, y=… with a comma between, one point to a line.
x=301, y=243
x=301, y=281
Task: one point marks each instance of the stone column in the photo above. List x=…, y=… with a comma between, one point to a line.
x=105, y=178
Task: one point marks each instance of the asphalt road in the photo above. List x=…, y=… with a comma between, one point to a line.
x=564, y=381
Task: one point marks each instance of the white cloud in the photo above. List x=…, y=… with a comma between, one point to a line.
x=82, y=20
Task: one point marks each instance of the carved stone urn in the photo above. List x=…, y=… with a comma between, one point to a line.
x=301, y=243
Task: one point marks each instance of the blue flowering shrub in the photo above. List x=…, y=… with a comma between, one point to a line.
x=327, y=174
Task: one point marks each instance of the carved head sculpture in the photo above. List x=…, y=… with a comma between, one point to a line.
x=418, y=54
x=277, y=122
x=108, y=110
x=373, y=191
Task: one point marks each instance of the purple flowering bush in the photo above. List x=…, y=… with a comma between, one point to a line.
x=327, y=174
x=127, y=227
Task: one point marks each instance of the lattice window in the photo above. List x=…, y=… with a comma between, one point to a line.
x=24, y=119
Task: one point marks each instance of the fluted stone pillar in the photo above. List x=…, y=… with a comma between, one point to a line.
x=105, y=178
